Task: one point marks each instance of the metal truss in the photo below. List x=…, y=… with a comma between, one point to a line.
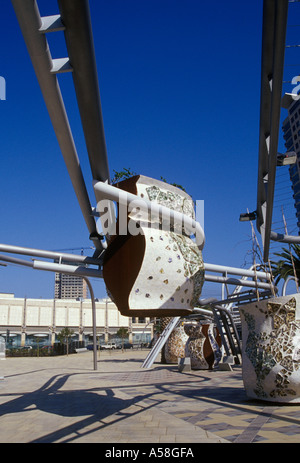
x=273, y=51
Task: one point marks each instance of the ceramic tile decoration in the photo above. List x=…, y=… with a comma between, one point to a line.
x=203, y=346
x=158, y=272
x=271, y=349
x=175, y=345
x=200, y=342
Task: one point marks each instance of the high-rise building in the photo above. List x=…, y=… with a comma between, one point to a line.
x=291, y=135
x=70, y=287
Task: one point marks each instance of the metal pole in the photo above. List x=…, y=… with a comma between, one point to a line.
x=124, y=198
x=273, y=49
x=236, y=271
x=49, y=254
x=79, y=271
x=30, y=22
x=75, y=15
x=237, y=282
x=94, y=321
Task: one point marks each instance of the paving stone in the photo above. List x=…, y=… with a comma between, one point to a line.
x=62, y=399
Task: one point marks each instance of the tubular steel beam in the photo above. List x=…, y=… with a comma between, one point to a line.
x=273, y=49
x=236, y=271
x=75, y=16
x=30, y=22
x=237, y=282
x=124, y=198
x=59, y=256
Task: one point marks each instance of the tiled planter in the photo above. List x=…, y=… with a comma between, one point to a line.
x=175, y=345
x=271, y=349
x=156, y=272
x=197, y=341
x=203, y=346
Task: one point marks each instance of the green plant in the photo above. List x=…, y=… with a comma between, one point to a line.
x=173, y=184
x=127, y=173
x=288, y=265
x=64, y=336
x=122, y=175
x=123, y=334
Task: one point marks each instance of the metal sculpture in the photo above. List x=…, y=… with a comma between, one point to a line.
x=131, y=263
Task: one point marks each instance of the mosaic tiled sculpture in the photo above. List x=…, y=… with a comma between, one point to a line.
x=157, y=272
x=175, y=345
x=203, y=346
x=200, y=342
x=271, y=349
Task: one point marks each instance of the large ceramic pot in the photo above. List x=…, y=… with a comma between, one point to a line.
x=175, y=345
x=157, y=272
x=271, y=349
x=203, y=346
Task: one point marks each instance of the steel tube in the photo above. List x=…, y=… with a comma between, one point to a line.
x=282, y=238
x=273, y=49
x=30, y=22
x=105, y=191
x=235, y=281
x=75, y=15
x=94, y=321
x=67, y=269
x=49, y=254
x=15, y=260
x=236, y=271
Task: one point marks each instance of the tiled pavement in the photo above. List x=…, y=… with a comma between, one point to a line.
x=63, y=400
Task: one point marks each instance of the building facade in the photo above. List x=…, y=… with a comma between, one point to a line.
x=291, y=135
x=70, y=287
x=28, y=321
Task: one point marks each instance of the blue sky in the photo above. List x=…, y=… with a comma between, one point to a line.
x=180, y=92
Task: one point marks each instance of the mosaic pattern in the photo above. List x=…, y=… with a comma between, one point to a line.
x=202, y=347
x=193, y=265
x=271, y=349
x=171, y=200
x=175, y=346
x=196, y=341
x=172, y=274
x=161, y=269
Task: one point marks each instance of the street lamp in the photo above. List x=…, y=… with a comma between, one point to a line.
x=248, y=216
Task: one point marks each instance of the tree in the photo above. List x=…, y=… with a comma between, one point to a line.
x=122, y=175
x=64, y=336
x=288, y=265
x=123, y=334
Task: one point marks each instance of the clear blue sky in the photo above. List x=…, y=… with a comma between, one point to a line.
x=180, y=92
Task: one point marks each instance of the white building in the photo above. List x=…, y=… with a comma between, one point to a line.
x=24, y=320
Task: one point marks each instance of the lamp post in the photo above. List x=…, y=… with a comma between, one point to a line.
x=94, y=321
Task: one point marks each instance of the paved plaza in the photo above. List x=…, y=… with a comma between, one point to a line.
x=64, y=400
